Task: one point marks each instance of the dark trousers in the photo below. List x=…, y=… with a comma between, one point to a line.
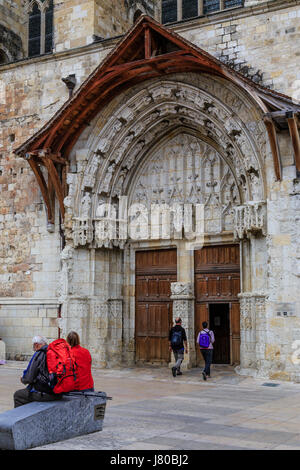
x=207, y=356
x=23, y=396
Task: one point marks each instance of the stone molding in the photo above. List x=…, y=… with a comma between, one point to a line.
x=253, y=331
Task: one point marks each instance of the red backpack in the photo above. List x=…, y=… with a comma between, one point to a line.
x=62, y=364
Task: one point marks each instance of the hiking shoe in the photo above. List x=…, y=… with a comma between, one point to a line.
x=179, y=373
x=174, y=371
x=204, y=375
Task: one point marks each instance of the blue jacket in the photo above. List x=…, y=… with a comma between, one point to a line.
x=36, y=375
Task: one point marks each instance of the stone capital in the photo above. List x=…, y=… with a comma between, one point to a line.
x=249, y=219
x=181, y=291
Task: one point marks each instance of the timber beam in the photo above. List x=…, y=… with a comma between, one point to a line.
x=56, y=184
x=293, y=123
x=45, y=189
x=288, y=120
x=269, y=123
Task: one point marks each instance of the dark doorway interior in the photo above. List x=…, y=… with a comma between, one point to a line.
x=219, y=323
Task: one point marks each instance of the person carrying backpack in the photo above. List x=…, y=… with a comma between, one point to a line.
x=36, y=377
x=205, y=341
x=177, y=344
x=84, y=379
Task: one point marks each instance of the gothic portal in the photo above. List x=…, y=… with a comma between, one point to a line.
x=169, y=185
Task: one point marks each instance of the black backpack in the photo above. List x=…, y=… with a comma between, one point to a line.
x=42, y=382
x=176, y=339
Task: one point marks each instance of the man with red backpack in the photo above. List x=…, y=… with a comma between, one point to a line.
x=205, y=341
x=51, y=372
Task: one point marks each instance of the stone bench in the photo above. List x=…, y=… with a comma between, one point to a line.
x=40, y=423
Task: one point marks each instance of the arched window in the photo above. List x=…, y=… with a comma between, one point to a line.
x=210, y=6
x=169, y=11
x=34, y=31
x=176, y=10
x=189, y=8
x=40, y=28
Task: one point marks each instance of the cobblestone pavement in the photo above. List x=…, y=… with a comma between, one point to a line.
x=152, y=410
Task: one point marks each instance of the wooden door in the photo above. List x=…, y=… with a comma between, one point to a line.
x=235, y=335
x=155, y=270
x=201, y=315
x=219, y=323
x=217, y=280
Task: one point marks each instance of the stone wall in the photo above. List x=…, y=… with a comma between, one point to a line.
x=260, y=41
x=78, y=23
x=283, y=304
x=30, y=93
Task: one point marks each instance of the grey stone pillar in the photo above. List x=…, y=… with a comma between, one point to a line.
x=183, y=307
x=74, y=316
x=253, y=334
x=114, y=333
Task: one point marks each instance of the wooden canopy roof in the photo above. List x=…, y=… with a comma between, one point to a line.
x=148, y=50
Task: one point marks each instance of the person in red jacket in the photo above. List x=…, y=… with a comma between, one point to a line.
x=84, y=381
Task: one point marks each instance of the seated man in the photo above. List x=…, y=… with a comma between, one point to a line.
x=36, y=377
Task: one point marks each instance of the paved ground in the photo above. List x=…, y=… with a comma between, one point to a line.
x=151, y=410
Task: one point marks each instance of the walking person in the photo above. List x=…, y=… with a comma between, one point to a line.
x=36, y=377
x=83, y=359
x=205, y=341
x=177, y=344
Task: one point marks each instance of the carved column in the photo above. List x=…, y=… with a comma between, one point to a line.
x=183, y=307
x=115, y=329
x=74, y=316
x=250, y=228
x=99, y=334
x=250, y=218
x=253, y=333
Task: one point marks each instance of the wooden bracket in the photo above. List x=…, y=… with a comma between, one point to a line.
x=55, y=180
x=274, y=147
x=44, y=189
x=147, y=43
x=54, y=186
x=294, y=133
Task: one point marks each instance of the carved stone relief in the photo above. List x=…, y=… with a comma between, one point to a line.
x=249, y=218
x=187, y=102
x=64, y=287
x=181, y=289
x=188, y=171
x=129, y=136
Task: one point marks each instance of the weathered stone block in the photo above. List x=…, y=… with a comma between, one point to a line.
x=37, y=423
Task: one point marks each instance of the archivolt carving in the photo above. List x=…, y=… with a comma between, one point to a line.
x=155, y=113
x=186, y=170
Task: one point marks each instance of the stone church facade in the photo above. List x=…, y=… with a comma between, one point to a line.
x=149, y=171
